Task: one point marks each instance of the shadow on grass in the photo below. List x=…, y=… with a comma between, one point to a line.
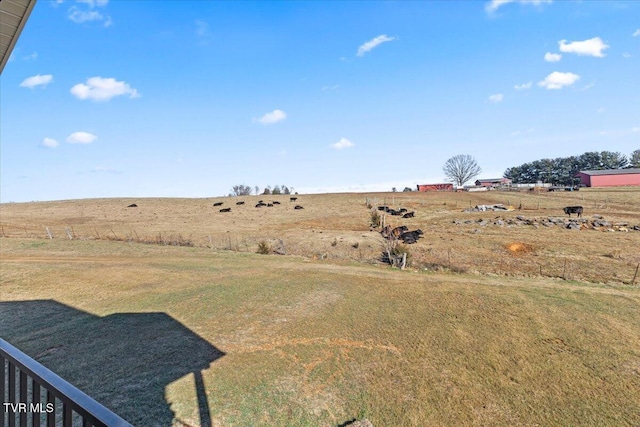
x=125, y=360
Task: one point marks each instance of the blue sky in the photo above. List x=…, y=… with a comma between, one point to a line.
x=126, y=98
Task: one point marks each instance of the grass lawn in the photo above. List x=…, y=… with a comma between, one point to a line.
x=191, y=336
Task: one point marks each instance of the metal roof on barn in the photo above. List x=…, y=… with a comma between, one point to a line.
x=612, y=172
x=13, y=16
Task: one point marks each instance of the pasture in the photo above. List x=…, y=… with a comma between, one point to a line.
x=475, y=332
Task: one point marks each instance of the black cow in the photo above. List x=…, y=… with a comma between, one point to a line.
x=239, y=203
x=225, y=210
x=410, y=237
x=408, y=215
x=132, y=205
x=218, y=204
x=275, y=202
x=298, y=207
x=260, y=204
x=573, y=209
x=293, y=199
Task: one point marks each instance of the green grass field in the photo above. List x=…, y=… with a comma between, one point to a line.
x=194, y=336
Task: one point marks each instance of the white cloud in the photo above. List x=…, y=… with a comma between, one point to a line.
x=591, y=47
x=635, y=130
x=558, y=80
x=636, y=33
x=626, y=55
x=81, y=138
x=523, y=86
x=374, y=42
x=273, y=117
x=498, y=97
x=49, y=143
x=103, y=89
x=552, y=57
x=81, y=16
x=31, y=57
x=493, y=5
x=87, y=13
x=342, y=144
x=37, y=80
x=334, y=87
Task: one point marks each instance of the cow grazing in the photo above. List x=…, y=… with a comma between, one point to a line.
x=293, y=199
x=275, y=202
x=408, y=215
x=132, y=205
x=270, y=205
x=260, y=204
x=298, y=207
x=403, y=210
x=239, y=203
x=225, y=210
x=573, y=209
x=218, y=204
x=383, y=208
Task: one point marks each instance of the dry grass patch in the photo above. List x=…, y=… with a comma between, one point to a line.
x=314, y=343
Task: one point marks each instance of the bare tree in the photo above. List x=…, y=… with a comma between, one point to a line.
x=241, y=190
x=461, y=168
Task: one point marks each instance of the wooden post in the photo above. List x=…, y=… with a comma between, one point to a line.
x=210, y=242
x=449, y=257
x=97, y=234
x=564, y=270
x=69, y=235
x=49, y=233
x=633, y=281
x=404, y=260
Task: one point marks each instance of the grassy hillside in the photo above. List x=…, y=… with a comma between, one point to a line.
x=336, y=227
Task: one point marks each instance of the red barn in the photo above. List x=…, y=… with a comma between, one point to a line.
x=436, y=187
x=610, y=178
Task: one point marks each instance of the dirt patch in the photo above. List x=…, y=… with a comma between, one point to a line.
x=518, y=248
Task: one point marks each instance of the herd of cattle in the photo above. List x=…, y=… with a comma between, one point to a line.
x=400, y=212
x=402, y=232
x=260, y=204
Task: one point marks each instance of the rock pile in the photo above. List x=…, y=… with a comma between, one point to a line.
x=596, y=222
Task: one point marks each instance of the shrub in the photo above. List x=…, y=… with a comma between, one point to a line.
x=335, y=242
x=375, y=219
x=264, y=248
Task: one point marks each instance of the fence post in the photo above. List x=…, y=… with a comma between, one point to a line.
x=49, y=233
x=633, y=281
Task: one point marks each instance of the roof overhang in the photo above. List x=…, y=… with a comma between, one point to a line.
x=13, y=16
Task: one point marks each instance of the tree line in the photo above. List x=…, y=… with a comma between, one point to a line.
x=562, y=170
x=247, y=190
